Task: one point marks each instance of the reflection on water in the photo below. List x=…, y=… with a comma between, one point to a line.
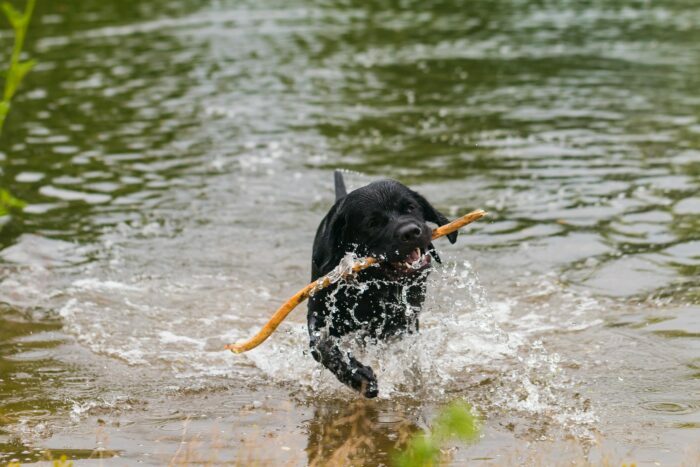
x=360, y=433
x=176, y=157
x=28, y=374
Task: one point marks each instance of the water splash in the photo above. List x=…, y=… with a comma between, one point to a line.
x=463, y=348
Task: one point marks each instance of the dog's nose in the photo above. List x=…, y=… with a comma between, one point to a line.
x=409, y=232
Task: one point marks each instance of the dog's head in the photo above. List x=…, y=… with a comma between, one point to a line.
x=384, y=219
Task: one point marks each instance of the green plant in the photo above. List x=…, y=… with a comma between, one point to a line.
x=455, y=422
x=7, y=202
x=16, y=72
x=62, y=462
x=18, y=69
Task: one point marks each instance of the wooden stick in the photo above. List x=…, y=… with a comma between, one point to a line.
x=332, y=277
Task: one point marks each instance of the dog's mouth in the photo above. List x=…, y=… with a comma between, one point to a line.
x=415, y=261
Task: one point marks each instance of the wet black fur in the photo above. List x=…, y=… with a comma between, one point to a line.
x=384, y=219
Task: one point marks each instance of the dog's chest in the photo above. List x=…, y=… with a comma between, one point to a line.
x=381, y=310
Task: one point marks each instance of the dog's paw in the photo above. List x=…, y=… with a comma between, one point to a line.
x=364, y=381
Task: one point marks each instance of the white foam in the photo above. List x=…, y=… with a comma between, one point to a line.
x=167, y=337
x=462, y=343
x=96, y=284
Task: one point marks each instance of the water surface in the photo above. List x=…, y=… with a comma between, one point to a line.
x=177, y=157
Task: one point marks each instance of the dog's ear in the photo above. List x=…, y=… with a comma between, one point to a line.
x=340, y=189
x=433, y=215
x=329, y=246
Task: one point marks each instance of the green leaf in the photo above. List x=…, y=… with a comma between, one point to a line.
x=421, y=451
x=15, y=75
x=4, y=109
x=25, y=67
x=9, y=202
x=15, y=17
x=456, y=421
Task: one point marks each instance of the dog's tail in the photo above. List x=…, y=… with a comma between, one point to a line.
x=340, y=190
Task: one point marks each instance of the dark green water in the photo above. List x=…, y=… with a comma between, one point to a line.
x=156, y=141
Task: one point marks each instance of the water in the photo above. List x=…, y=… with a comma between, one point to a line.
x=177, y=158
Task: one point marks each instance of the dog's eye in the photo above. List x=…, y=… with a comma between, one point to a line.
x=410, y=207
x=374, y=222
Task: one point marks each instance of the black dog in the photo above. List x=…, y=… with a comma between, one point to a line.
x=385, y=220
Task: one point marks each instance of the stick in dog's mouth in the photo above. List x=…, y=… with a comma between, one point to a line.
x=325, y=281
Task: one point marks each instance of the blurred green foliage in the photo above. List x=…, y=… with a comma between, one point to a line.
x=18, y=69
x=455, y=422
x=16, y=72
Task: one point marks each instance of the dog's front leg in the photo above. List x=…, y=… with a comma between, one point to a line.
x=344, y=366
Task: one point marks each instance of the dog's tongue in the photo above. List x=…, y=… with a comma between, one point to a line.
x=414, y=256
